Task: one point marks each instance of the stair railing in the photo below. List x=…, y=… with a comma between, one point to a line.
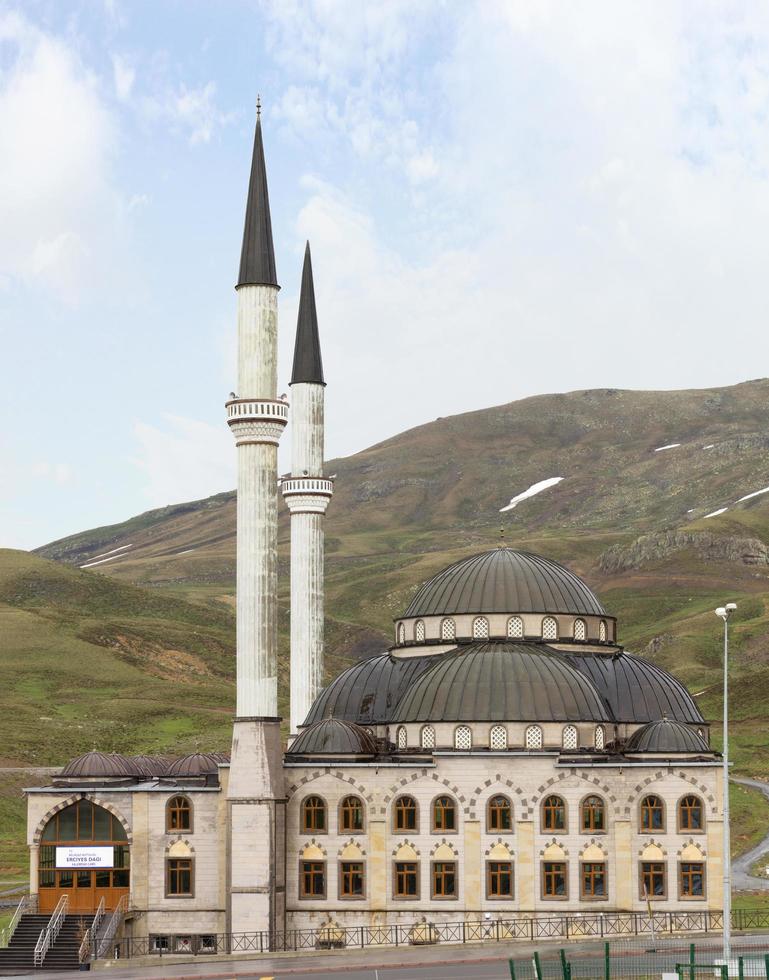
x=50, y=933
x=7, y=934
x=84, y=953
x=115, y=920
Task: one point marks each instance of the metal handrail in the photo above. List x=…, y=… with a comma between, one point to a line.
x=50, y=933
x=112, y=926
x=91, y=933
x=6, y=934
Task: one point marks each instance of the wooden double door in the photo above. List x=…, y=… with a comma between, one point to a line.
x=85, y=889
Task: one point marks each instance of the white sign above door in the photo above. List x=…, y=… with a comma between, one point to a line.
x=85, y=857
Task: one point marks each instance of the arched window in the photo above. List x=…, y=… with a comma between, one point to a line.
x=602, y=631
x=533, y=737
x=593, y=817
x=419, y=631
x=178, y=814
x=500, y=814
x=691, y=814
x=480, y=628
x=405, y=814
x=554, y=814
x=401, y=633
x=515, y=628
x=463, y=737
x=600, y=737
x=549, y=628
x=570, y=738
x=652, y=814
x=401, y=737
x=444, y=814
x=448, y=629
x=351, y=814
x=498, y=737
x=314, y=815
x=428, y=737
x=580, y=630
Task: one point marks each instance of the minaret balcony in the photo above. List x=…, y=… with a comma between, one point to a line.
x=253, y=421
x=307, y=494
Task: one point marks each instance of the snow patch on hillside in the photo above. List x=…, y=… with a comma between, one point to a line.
x=711, y=446
x=756, y=493
x=670, y=445
x=715, y=513
x=533, y=490
x=90, y=564
x=105, y=553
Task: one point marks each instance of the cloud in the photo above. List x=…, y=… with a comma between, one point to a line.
x=191, y=110
x=56, y=143
x=124, y=77
x=183, y=460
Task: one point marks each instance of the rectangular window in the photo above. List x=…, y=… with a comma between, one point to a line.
x=406, y=883
x=444, y=879
x=179, y=876
x=351, y=879
x=593, y=880
x=653, y=883
x=312, y=879
x=692, y=880
x=554, y=879
x=499, y=879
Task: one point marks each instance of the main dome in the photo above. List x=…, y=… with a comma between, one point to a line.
x=504, y=581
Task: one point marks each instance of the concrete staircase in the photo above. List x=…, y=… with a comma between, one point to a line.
x=18, y=957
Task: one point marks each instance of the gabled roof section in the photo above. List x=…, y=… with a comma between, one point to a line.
x=257, y=256
x=308, y=364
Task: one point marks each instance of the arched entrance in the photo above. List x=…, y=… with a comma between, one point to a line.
x=84, y=853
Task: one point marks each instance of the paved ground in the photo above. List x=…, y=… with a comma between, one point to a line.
x=741, y=880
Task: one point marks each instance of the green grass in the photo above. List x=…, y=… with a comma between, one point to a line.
x=749, y=812
x=751, y=900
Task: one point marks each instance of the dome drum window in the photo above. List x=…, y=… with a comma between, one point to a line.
x=570, y=738
x=463, y=738
x=600, y=737
x=402, y=737
x=515, y=628
x=549, y=628
x=419, y=631
x=498, y=738
x=580, y=630
x=602, y=632
x=448, y=629
x=533, y=737
x=428, y=737
x=401, y=633
x=480, y=628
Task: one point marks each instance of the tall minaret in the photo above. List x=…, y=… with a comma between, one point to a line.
x=307, y=494
x=255, y=793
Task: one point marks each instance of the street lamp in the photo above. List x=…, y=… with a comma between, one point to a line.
x=724, y=612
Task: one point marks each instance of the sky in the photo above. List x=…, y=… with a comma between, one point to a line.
x=503, y=198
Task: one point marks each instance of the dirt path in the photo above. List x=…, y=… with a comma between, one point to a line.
x=741, y=880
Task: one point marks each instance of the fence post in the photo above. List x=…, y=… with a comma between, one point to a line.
x=692, y=955
x=606, y=962
x=740, y=968
x=512, y=969
x=564, y=968
x=537, y=966
x=766, y=965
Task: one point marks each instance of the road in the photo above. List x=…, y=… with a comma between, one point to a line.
x=741, y=880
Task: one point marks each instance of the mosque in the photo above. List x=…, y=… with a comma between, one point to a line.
x=505, y=757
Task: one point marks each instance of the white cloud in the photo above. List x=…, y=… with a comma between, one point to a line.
x=58, y=473
x=184, y=460
x=56, y=140
x=191, y=110
x=124, y=77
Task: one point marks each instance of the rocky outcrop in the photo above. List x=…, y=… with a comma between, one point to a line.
x=658, y=546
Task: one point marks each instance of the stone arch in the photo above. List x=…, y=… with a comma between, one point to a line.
x=499, y=851
x=313, y=852
x=554, y=851
x=73, y=798
x=404, y=787
x=490, y=788
x=653, y=852
x=180, y=849
x=405, y=852
x=443, y=851
x=351, y=851
x=642, y=789
x=594, y=851
x=349, y=780
x=691, y=851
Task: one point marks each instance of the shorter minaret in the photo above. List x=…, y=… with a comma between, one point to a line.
x=307, y=494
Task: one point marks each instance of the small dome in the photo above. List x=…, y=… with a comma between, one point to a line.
x=501, y=681
x=367, y=692
x=666, y=736
x=150, y=765
x=333, y=737
x=196, y=764
x=95, y=764
x=504, y=581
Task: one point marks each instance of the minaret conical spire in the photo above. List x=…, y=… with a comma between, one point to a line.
x=308, y=364
x=257, y=256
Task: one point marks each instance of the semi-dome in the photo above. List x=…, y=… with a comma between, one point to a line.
x=195, y=764
x=504, y=581
x=332, y=736
x=94, y=764
x=502, y=681
x=666, y=736
x=637, y=690
x=367, y=692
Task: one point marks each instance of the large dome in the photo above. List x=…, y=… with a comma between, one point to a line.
x=504, y=581
x=502, y=681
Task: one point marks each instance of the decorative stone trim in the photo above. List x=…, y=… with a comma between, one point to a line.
x=73, y=798
x=405, y=843
x=313, y=843
x=691, y=843
x=557, y=843
x=594, y=843
x=652, y=842
x=444, y=843
x=497, y=843
x=350, y=780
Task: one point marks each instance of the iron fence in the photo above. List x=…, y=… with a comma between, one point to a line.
x=615, y=926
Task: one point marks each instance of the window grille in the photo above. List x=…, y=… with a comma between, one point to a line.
x=580, y=631
x=602, y=631
x=600, y=737
x=570, y=739
x=515, y=628
x=401, y=633
x=533, y=737
x=448, y=629
x=428, y=737
x=480, y=628
x=419, y=631
x=402, y=738
x=498, y=737
x=549, y=628
x=463, y=738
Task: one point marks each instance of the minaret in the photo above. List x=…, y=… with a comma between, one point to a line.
x=255, y=793
x=307, y=494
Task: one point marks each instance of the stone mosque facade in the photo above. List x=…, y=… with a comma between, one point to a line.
x=505, y=757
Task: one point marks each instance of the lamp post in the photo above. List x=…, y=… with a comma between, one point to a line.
x=724, y=612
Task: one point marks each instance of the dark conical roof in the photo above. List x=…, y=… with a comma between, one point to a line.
x=501, y=681
x=666, y=736
x=333, y=737
x=308, y=364
x=257, y=256
x=504, y=581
